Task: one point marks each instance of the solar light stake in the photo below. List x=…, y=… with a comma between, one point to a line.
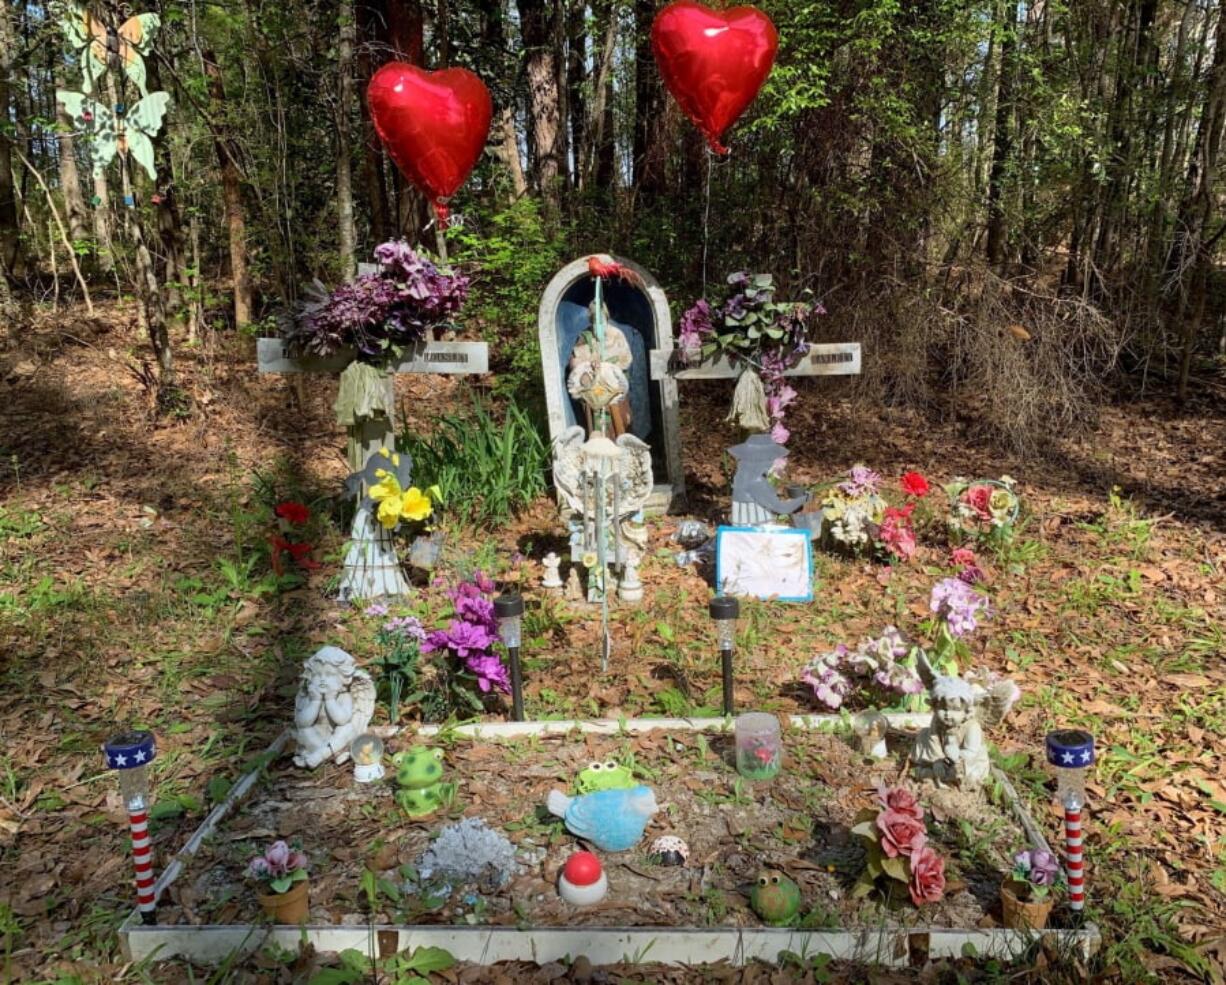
x=130, y=754
x=509, y=608
x=724, y=609
x=1071, y=753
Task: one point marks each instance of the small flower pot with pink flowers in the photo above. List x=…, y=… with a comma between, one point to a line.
x=1027, y=895
x=282, y=871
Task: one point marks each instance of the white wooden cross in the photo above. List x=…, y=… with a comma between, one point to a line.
x=372, y=569
x=822, y=359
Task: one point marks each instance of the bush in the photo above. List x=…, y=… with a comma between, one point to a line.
x=486, y=469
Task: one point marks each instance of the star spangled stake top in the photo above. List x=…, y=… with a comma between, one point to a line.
x=129, y=750
x=1070, y=749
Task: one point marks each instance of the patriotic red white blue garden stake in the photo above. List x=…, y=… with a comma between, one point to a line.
x=130, y=754
x=1071, y=753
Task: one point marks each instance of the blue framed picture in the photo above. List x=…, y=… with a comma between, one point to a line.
x=765, y=563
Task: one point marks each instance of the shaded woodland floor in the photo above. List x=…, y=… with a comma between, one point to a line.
x=134, y=590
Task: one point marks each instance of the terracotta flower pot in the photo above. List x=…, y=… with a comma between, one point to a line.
x=291, y=906
x=1022, y=914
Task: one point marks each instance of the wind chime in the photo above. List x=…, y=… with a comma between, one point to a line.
x=600, y=384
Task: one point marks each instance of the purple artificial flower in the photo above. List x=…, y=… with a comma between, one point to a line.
x=484, y=582
x=972, y=574
x=489, y=671
x=461, y=638
x=258, y=867
x=1037, y=866
x=830, y=686
x=861, y=481
x=475, y=609
x=375, y=609
x=958, y=604
x=696, y=326
x=780, y=434
x=409, y=626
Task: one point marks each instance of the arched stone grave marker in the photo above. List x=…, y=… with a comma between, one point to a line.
x=641, y=312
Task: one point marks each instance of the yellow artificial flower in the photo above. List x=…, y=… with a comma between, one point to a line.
x=589, y=559
x=388, y=494
x=1000, y=503
x=415, y=505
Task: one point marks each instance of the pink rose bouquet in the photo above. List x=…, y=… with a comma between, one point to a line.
x=898, y=848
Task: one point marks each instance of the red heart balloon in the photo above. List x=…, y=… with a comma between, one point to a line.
x=434, y=124
x=713, y=61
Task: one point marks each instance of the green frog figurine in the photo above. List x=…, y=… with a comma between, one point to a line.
x=605, y=776
x=419, y=772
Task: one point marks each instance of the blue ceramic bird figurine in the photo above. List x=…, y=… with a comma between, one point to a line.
x=612, y=820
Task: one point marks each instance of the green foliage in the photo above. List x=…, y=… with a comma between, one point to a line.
x=487, y=469
x=512, y=255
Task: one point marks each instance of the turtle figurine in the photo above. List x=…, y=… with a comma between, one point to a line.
x=775, y=898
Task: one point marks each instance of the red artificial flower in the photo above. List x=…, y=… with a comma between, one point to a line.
x=961, y=556
x=300, y=553
x=295, y=513
x=977, y=498
x=914, y=484
x=927, y=876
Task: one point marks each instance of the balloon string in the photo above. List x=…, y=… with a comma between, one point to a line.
x=706, y=222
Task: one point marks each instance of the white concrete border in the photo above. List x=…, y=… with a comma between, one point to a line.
x=892, y=947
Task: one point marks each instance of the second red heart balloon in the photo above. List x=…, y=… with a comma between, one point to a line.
x=713, y=62
x=433, y=124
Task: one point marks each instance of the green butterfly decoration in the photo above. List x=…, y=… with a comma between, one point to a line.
x=126, y=130
x=96, y=46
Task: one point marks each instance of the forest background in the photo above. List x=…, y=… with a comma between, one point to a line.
x=1013, y=205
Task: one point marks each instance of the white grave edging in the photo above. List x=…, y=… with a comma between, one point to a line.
x=891, y=947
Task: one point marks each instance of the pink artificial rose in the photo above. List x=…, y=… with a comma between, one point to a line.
x=277, y=856
x=927, y=876
x=900, y=800
x=901, y=834
x=961, y=556
x=977, y=498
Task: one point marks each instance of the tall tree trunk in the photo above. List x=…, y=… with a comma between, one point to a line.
x=102, y=224
x=231, y=191
x=1002, y=139
x=75, y=214
x=536, y=23
x=649, y=117
x=346, y=37
x=576, y=76
x=599, y=152
x=506, y=142
x=169, y=221
x=373, y=177
x=12, y=262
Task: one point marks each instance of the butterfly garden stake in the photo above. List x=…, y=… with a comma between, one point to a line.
x=110, y=58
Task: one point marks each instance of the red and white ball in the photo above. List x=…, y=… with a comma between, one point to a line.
x=582, y=881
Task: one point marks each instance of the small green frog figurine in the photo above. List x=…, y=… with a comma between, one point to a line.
x=605, y=776
x=419, y=772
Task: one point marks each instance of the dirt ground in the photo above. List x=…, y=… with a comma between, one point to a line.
x=131, y=592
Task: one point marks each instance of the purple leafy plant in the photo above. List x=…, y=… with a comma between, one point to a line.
x=378, y=314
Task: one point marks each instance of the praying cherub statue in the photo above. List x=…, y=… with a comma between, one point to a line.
x=952, y=750
x=334, y=705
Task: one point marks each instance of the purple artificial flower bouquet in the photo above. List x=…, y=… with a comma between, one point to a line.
x=751, y=327
x=471, y=635
x=378, y=314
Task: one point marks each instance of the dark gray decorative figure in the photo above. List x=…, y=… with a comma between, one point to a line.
x=754, y=499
